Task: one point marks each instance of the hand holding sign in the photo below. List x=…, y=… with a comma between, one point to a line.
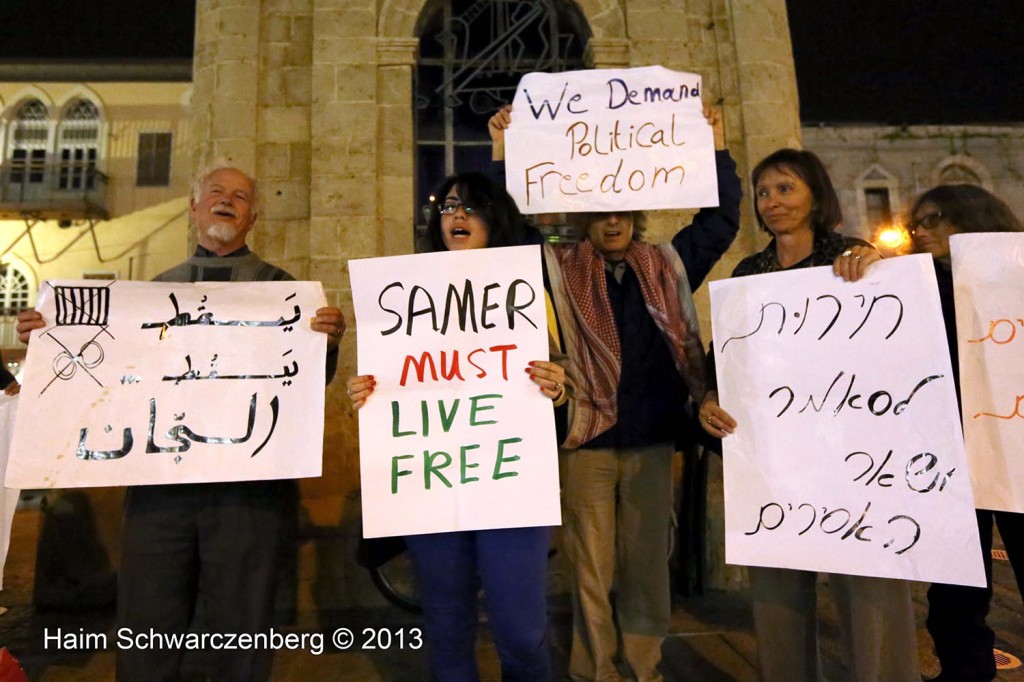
x=608, y=140
x=456, y=437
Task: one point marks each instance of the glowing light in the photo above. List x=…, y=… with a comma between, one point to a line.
x=892, y=238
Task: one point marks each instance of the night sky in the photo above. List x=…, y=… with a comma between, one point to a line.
x=885, y=61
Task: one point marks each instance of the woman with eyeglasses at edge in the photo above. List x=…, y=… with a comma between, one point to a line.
x=956, y=613
x=635, y=359
x=796, y=203
x=511, y=564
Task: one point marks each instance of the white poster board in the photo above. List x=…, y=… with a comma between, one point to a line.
x=610, y=140
x=988, y=281
x=134, y=383
x=455, y=436
x=848, y=456
x=8, y=496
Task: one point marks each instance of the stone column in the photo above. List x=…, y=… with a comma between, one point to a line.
x=607, y=53
x=396, y=61
x=224, y=101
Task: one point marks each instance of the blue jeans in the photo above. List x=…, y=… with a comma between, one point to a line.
x=512, y=567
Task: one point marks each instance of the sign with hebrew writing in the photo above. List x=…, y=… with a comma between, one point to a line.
x=848, y=456
x=455, y=436
x=610, y=140
x=988, y=281
x=134, y=383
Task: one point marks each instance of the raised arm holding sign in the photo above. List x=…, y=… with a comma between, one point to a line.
x=626, y=314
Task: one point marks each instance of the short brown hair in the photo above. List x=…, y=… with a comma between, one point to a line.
x=826, y=215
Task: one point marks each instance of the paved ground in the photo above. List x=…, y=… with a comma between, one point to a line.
x=712, y=637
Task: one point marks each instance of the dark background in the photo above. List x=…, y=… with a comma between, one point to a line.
x=885, y=61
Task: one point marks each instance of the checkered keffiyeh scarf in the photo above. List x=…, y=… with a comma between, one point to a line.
x=587, y=322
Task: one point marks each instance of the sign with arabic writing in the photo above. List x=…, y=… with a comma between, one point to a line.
x=610, y=140
x=848, y=456
x=988, y=281
x=133, y=383
x=455, y=435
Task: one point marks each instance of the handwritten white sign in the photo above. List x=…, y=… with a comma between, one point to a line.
x=8, y=496
x=848, y=456
x=455, y=435
x=610, y=140
x=988, y=280
x=143, y=382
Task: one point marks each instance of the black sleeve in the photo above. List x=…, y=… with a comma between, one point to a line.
x=713, y=230
x=710, y=371
x=332, y=364
x=496, y=171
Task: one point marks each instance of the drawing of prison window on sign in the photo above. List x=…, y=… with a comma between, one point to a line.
x=988, y=281
x=848, y=455
x=455, y=436
x=610, y=140
x=145, y=382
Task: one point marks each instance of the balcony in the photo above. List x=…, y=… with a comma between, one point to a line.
x=66, y=191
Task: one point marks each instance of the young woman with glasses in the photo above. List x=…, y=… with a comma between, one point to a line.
x=510, y=564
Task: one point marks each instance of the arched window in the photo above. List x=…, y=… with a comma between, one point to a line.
x=472, y=55
x=78, y=146
x=14, y=290
x=30, y=132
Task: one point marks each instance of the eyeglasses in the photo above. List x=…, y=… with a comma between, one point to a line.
x=928, y=222
x=450, y=206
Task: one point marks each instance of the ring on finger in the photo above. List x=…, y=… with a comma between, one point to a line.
x=847, y=253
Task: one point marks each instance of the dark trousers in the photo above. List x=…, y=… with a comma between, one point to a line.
x=511, y=565
x=214, y=546
x=956, y=614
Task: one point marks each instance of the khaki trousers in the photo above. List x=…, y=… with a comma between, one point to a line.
x=617, y=519
x=876, y=620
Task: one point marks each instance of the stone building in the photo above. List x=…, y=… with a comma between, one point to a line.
x=347, y=112
x=878, y=170
x=93, y=179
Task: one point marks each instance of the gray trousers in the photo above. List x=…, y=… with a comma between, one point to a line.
x=876, y=620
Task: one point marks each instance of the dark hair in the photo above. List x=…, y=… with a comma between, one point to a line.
x=826, y=213
x=581, y=222
x=498, y=211
x=969, y=208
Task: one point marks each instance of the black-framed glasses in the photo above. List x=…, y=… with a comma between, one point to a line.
x=450, y=206
x=928, y=222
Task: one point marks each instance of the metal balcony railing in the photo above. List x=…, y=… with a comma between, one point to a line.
x=64, y=191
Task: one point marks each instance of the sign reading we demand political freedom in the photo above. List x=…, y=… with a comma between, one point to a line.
x=610, y=140
x=848, y=455
x=455, y=435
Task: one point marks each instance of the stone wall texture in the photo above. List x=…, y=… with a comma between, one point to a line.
x=315, y=97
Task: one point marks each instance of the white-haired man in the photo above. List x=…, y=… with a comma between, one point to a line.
x=215, y=542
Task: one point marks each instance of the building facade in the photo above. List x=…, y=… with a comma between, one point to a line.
x=93, y=180
x=878, y=170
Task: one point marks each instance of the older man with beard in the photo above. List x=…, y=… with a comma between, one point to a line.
x=214, y=543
